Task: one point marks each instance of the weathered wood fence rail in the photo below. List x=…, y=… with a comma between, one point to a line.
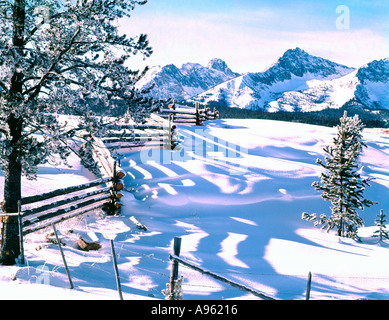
x=41, y=211
x=189, y=115
x=159, y=133
x=66, y=203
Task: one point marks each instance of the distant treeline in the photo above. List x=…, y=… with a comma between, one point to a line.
x=372, y=118
x=328, y=117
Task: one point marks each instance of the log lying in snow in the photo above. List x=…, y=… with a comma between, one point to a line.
x=194, y=122
x=130, y=134
x=136, y=127
x=86, y=246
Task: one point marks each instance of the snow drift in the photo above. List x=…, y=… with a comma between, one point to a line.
x=234, y=193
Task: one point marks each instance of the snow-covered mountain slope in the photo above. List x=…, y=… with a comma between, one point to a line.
x=373, y=87
x=320, y=95
x=297, y=81
x=368, y=86
x=185, y=82
x=295, y=71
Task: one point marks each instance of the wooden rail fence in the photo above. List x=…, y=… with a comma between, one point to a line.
x=62, y=204
x=189, y=115
x=158, y=132
x=40, y=211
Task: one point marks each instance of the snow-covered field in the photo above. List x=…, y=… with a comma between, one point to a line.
x=234, y=194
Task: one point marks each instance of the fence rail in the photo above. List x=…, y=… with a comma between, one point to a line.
x=40, y=211
x=159, y=132
x=63, y=191
x=189, y=115
x=47, y=208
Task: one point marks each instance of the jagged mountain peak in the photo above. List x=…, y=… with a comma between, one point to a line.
x=376, y=71
x=190, y=66
x=373, y=88
x=169, y=68
x=220, y=65
x=295, y=53
x=298, y=62
x=217, y=64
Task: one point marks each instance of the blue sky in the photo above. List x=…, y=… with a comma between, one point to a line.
x=249, y=35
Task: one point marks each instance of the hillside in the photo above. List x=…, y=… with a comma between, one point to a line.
x=234, y=194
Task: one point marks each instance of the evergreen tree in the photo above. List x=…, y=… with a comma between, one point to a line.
x=341, y=183
x=54, y=54
x=380, y=223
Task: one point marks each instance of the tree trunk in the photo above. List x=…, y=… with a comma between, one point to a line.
x=340, y=228
x=10, y=247
x=341, y=161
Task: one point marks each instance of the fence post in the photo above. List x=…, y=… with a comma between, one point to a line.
x=207, y=113
x=170, y=139
x=197, y=113
x=114, y=178
x=114, y=182
x=63, y=257
x=308, y=294
x=116, y=270
x=20, y=231
x=174, y=271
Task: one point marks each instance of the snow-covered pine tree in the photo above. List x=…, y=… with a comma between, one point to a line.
x=380, y=223
x=341, y=183
x=54, y=55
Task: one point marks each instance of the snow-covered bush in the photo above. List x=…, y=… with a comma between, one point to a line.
x=177, y=293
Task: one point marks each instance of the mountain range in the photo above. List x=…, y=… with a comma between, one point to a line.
x=297, y=81
x=185, y=82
